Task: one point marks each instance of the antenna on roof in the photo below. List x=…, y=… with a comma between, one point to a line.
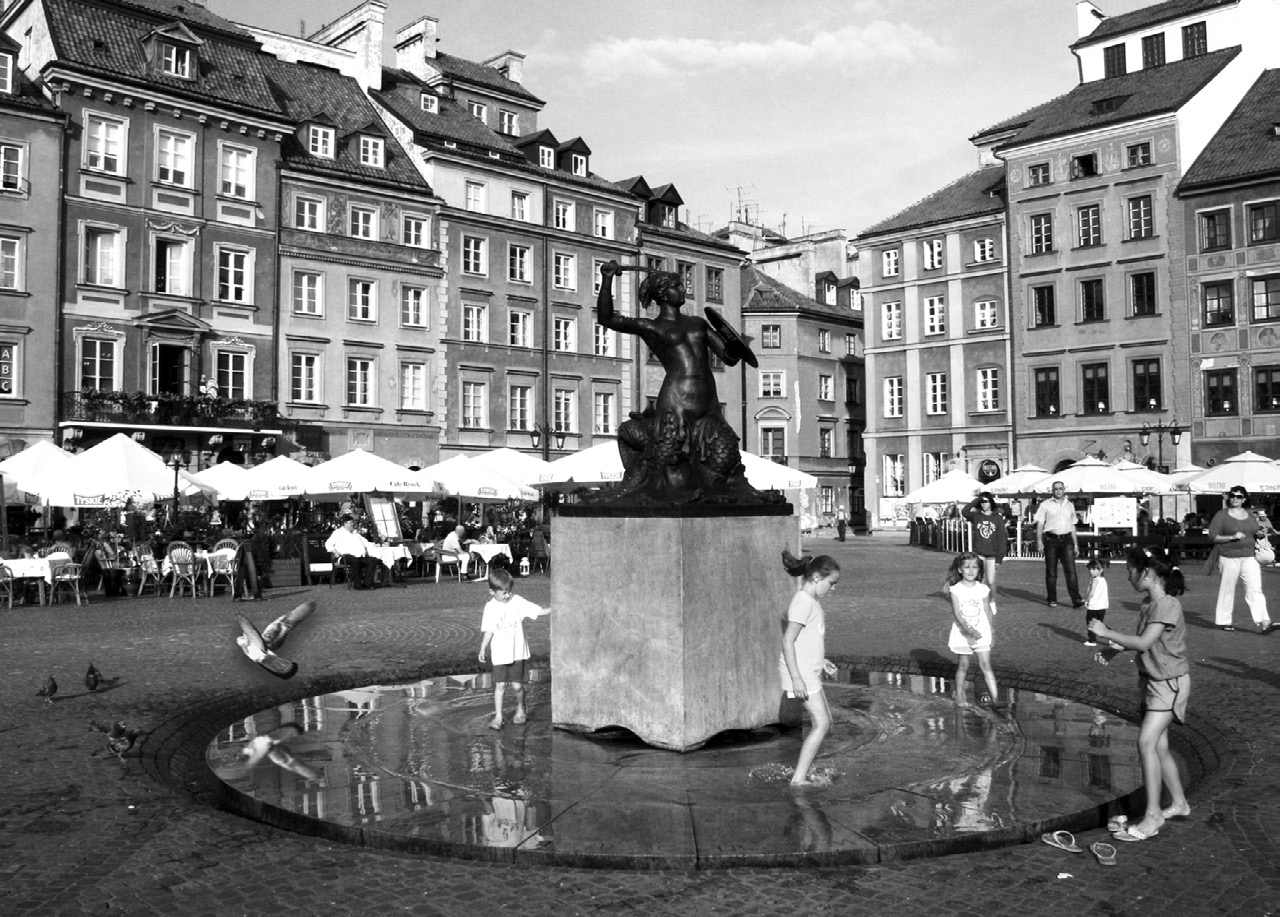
x=302, y=28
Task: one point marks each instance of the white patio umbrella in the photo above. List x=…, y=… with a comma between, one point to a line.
x=110, y=474
x=763, y=474
x=1255, y=473
x=39, y=458
x=361, y=472
x=227, y=478
x=1152, y=482
x=275, y=479
x=953, y=487
x=599, y=464
x=520, y=467
x=1018, y=481
x=1183, y=473
x=1089, y=476
x=470, y=480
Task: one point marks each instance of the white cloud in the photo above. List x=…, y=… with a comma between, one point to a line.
x=877, y=43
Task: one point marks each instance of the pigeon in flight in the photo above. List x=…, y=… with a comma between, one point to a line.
x=50, y=688
x=260, y=646
x=261, y=746
x=92, y=678
x=120, y=738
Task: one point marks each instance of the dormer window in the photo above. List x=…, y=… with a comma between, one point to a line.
x=372, y=152
x=666, y=216
x=430, y=103
x=546, y=157
x=479, y=111
x=6, y=74
x=320, y=141
x=508, y=122
x=578, y=164
x=176, y=61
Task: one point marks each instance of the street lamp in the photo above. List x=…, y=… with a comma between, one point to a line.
x=541, y=435
x=179, y=459
x=1160, y=429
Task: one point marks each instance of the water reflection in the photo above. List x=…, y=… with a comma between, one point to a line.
x=416, y=762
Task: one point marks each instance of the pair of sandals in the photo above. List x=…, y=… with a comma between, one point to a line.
x=1064, y=840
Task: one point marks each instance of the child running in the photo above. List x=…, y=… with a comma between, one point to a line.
x=971, y=634
x=503, y=626
x=803, y=659
x=1096, y=602
x=1164, y=681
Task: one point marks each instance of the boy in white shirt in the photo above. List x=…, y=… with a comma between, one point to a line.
x=503, y=626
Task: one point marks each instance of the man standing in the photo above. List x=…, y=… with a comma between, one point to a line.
x=1056, y=537
x=841, y=523
x=350, y=547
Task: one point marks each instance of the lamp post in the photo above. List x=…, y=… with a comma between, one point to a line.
x=179, y=459
x=541, y=435
x=1160, y=429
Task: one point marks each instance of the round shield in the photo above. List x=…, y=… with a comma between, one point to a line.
x=734, y=346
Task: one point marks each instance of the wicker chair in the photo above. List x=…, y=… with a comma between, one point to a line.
x=182, y=567
x=6, y=584
x=148, y=569
x=67, y=576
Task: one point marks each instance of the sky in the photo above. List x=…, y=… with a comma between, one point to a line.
x=806, y=115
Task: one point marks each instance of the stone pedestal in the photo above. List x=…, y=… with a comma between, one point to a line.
x=669, y=627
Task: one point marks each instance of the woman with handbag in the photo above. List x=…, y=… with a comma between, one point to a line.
x=1233, y=531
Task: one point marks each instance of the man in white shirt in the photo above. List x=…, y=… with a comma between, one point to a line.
x=1056, y=537
x=452, y=544
x=349, y=546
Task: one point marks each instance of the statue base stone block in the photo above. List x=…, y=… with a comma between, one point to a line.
x=668, y=626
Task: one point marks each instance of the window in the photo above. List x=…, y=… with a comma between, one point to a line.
x=307, y=296
x=1142, y=289
x=715, y=284
x=413, y=231
x=475, y=255
x=320, y=141
x=1219, y=304
x=8, y=368
x=935, y=315
x=519, y=407
x=564, y=335
x=413, y=306
x=476, y=197
x=826, y=387
x=1220, y=392
x=1266, y=299
x=1195, y=40
x=175, y=61
x=985, y=314
x=1113, y=63
x=308, y=214
x=104, y=144
x=596, y=280
x=1038, y=174
x=1263, y=223
x=101, y=262
x=172, y=266
x=891, y=321
x=603, y=341
x=984, y=249
x=578, y=164
x=430, y=103
x=360, y=381
x=935, y=390
x=1138, y=155
x=6, y=74
x=518, y=263
x=1095, y=389
x=479, y=111
x=361, y=301
x=520, y=328
x=564, y=272
x=1041, y=233
x=773, y=443
x=173, y=157
x=989, y=389
x=1092, y=307
x=520, y=206
x=564, y=410
x=1140, y=220
x=934, y=465
x=475, y=323
x=604, y=224
x=1153, y=51
x=933, y=254
x=11, y=156
x=1089, y=225
x=1266, y=383
x=850, y=345
x=546, y=157
x=824, y=340
x=829, y=292
x=1045, y=312
x=770, y=337
x=603, y=414
x=232, y=374
x=562, y=215
x=97, y=365
x=1215, y=230
x=1046, y=386
x=893, y=477
x=685, y=270
x=11, y=263
x=372, y=152
x=655, y=264
x=508, y=122
x=1147, y=394
x=771, y=385
x=304, y=377
x=893, y=396
x=889, y=263
x=236, y=171
x=825, y=438
x=234, y=277
x=1085, y=165
x=364, y=223
x=413, y=386
x=853, y=392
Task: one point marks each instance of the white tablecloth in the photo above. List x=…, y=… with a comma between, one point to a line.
x=388, y=554
x=488, y=552
x=37, y=567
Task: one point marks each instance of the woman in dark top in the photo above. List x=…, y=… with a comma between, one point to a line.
x=1232, y=532
x=989, y=538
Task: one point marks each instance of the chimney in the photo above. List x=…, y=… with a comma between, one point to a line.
x=1088, y=17
x=510, y=64
x=416, y=47
x=359, y=30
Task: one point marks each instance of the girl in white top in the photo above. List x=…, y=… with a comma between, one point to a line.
x=971, y=633
x=1096, y=602
x=803, y=660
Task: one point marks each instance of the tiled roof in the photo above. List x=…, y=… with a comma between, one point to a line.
x=976, y=194
x=1148, y=16
x=761, y=293
x=105, y=40
x=543, y=136
x=1246, y=146
x=309, y=92
x=636, y=185
x=27, y=95
x=482, y=75
x=1144, y=93
x=685, y=232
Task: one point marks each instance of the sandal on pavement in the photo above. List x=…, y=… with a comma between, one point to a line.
x=1105, y=853
x=1117, y=823
x=1063, y=840
x=519, y=719
x=1172, y=814
x=1132, y=834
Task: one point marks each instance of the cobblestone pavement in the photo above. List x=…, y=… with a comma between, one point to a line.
x=84, y=833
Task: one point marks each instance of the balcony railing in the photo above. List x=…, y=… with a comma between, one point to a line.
x=128, y=408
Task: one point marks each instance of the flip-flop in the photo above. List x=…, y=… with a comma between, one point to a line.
x=1105, y=853
x=520, y=719
x=1063, y=840
x=1172, y=814
x=1117, y=823
x=1131, y=834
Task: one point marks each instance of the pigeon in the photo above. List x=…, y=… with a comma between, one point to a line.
x=281, y=756
x=92, y=678
x=120, y=738
x=260, y=646
x=50, y=688
x=261, y=746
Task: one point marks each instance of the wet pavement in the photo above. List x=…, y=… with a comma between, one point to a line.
x=83, y=832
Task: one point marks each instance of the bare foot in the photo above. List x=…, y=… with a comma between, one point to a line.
x=495, y=723
x=519, y=718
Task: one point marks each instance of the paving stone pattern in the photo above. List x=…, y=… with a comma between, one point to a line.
x=82, y=832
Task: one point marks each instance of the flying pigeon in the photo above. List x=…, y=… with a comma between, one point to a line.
x=92, y=678
x=260, y=646
x=260, y=746
x=50, y=688
x=281, y=756
x=120, y=738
